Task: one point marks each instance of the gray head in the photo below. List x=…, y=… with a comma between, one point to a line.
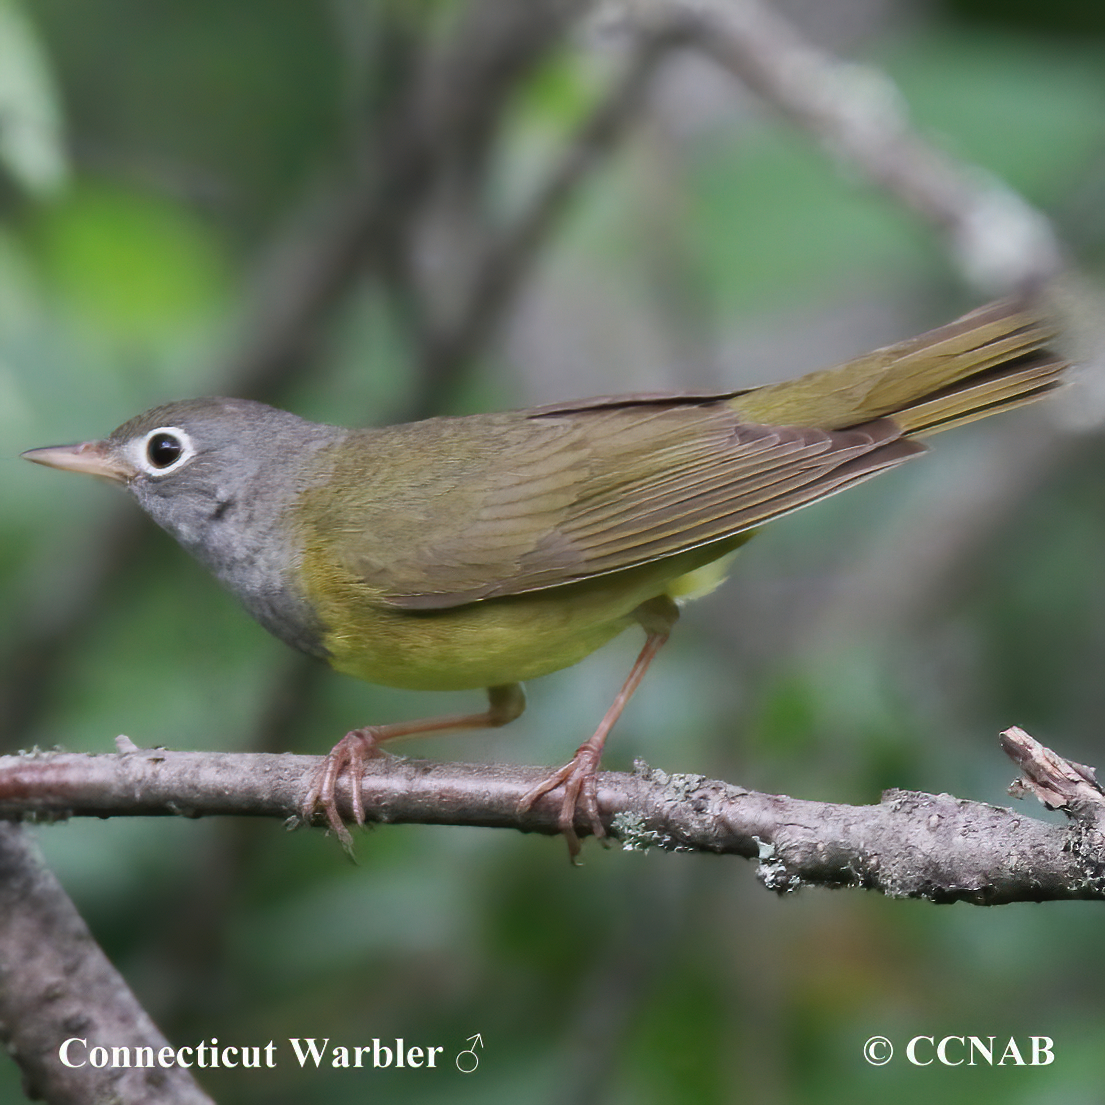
x=220, y=475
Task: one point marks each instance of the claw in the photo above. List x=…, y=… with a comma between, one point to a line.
x=350, y=753
x=504, y=703
x=578, y=778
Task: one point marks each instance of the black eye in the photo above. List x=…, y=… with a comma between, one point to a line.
x=164, y=449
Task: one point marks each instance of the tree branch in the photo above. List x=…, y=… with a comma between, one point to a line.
x=56, y=983
x=499, y=276
x=908, y=845
x=855, y=111
x=446, y=112
x=1059, y=784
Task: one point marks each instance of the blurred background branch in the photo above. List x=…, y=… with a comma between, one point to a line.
x=860, y=118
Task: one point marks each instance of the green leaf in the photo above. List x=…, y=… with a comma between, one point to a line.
x=130, y=263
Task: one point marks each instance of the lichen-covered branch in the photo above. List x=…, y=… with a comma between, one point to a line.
x=908, y=845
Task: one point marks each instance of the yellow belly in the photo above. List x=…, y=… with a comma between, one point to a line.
x=495, y=641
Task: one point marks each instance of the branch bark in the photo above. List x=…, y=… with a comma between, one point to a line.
x=908, y=845
x=56, y=984
x=1059, y=784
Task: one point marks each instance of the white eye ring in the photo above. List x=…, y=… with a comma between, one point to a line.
x=164, y=450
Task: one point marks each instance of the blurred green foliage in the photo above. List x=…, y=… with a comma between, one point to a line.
x=168, y=153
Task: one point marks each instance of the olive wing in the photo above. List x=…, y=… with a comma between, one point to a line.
x=474, y=508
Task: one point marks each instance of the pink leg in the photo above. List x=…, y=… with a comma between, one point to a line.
x=579, y=774
x=505, y=703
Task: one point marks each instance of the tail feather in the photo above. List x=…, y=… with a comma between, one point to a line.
x=991, y=359
x=1002, y=387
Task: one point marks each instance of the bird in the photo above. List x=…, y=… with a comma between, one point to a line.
x=486, y=550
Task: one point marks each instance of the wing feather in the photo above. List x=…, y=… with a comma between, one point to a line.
x=539, y=499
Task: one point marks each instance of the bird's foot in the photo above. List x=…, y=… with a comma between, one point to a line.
x=578, y=778
x=350, y=753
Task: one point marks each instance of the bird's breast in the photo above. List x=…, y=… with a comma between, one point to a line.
x=490, y=642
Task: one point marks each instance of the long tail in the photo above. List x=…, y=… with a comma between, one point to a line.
x=990, y=360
